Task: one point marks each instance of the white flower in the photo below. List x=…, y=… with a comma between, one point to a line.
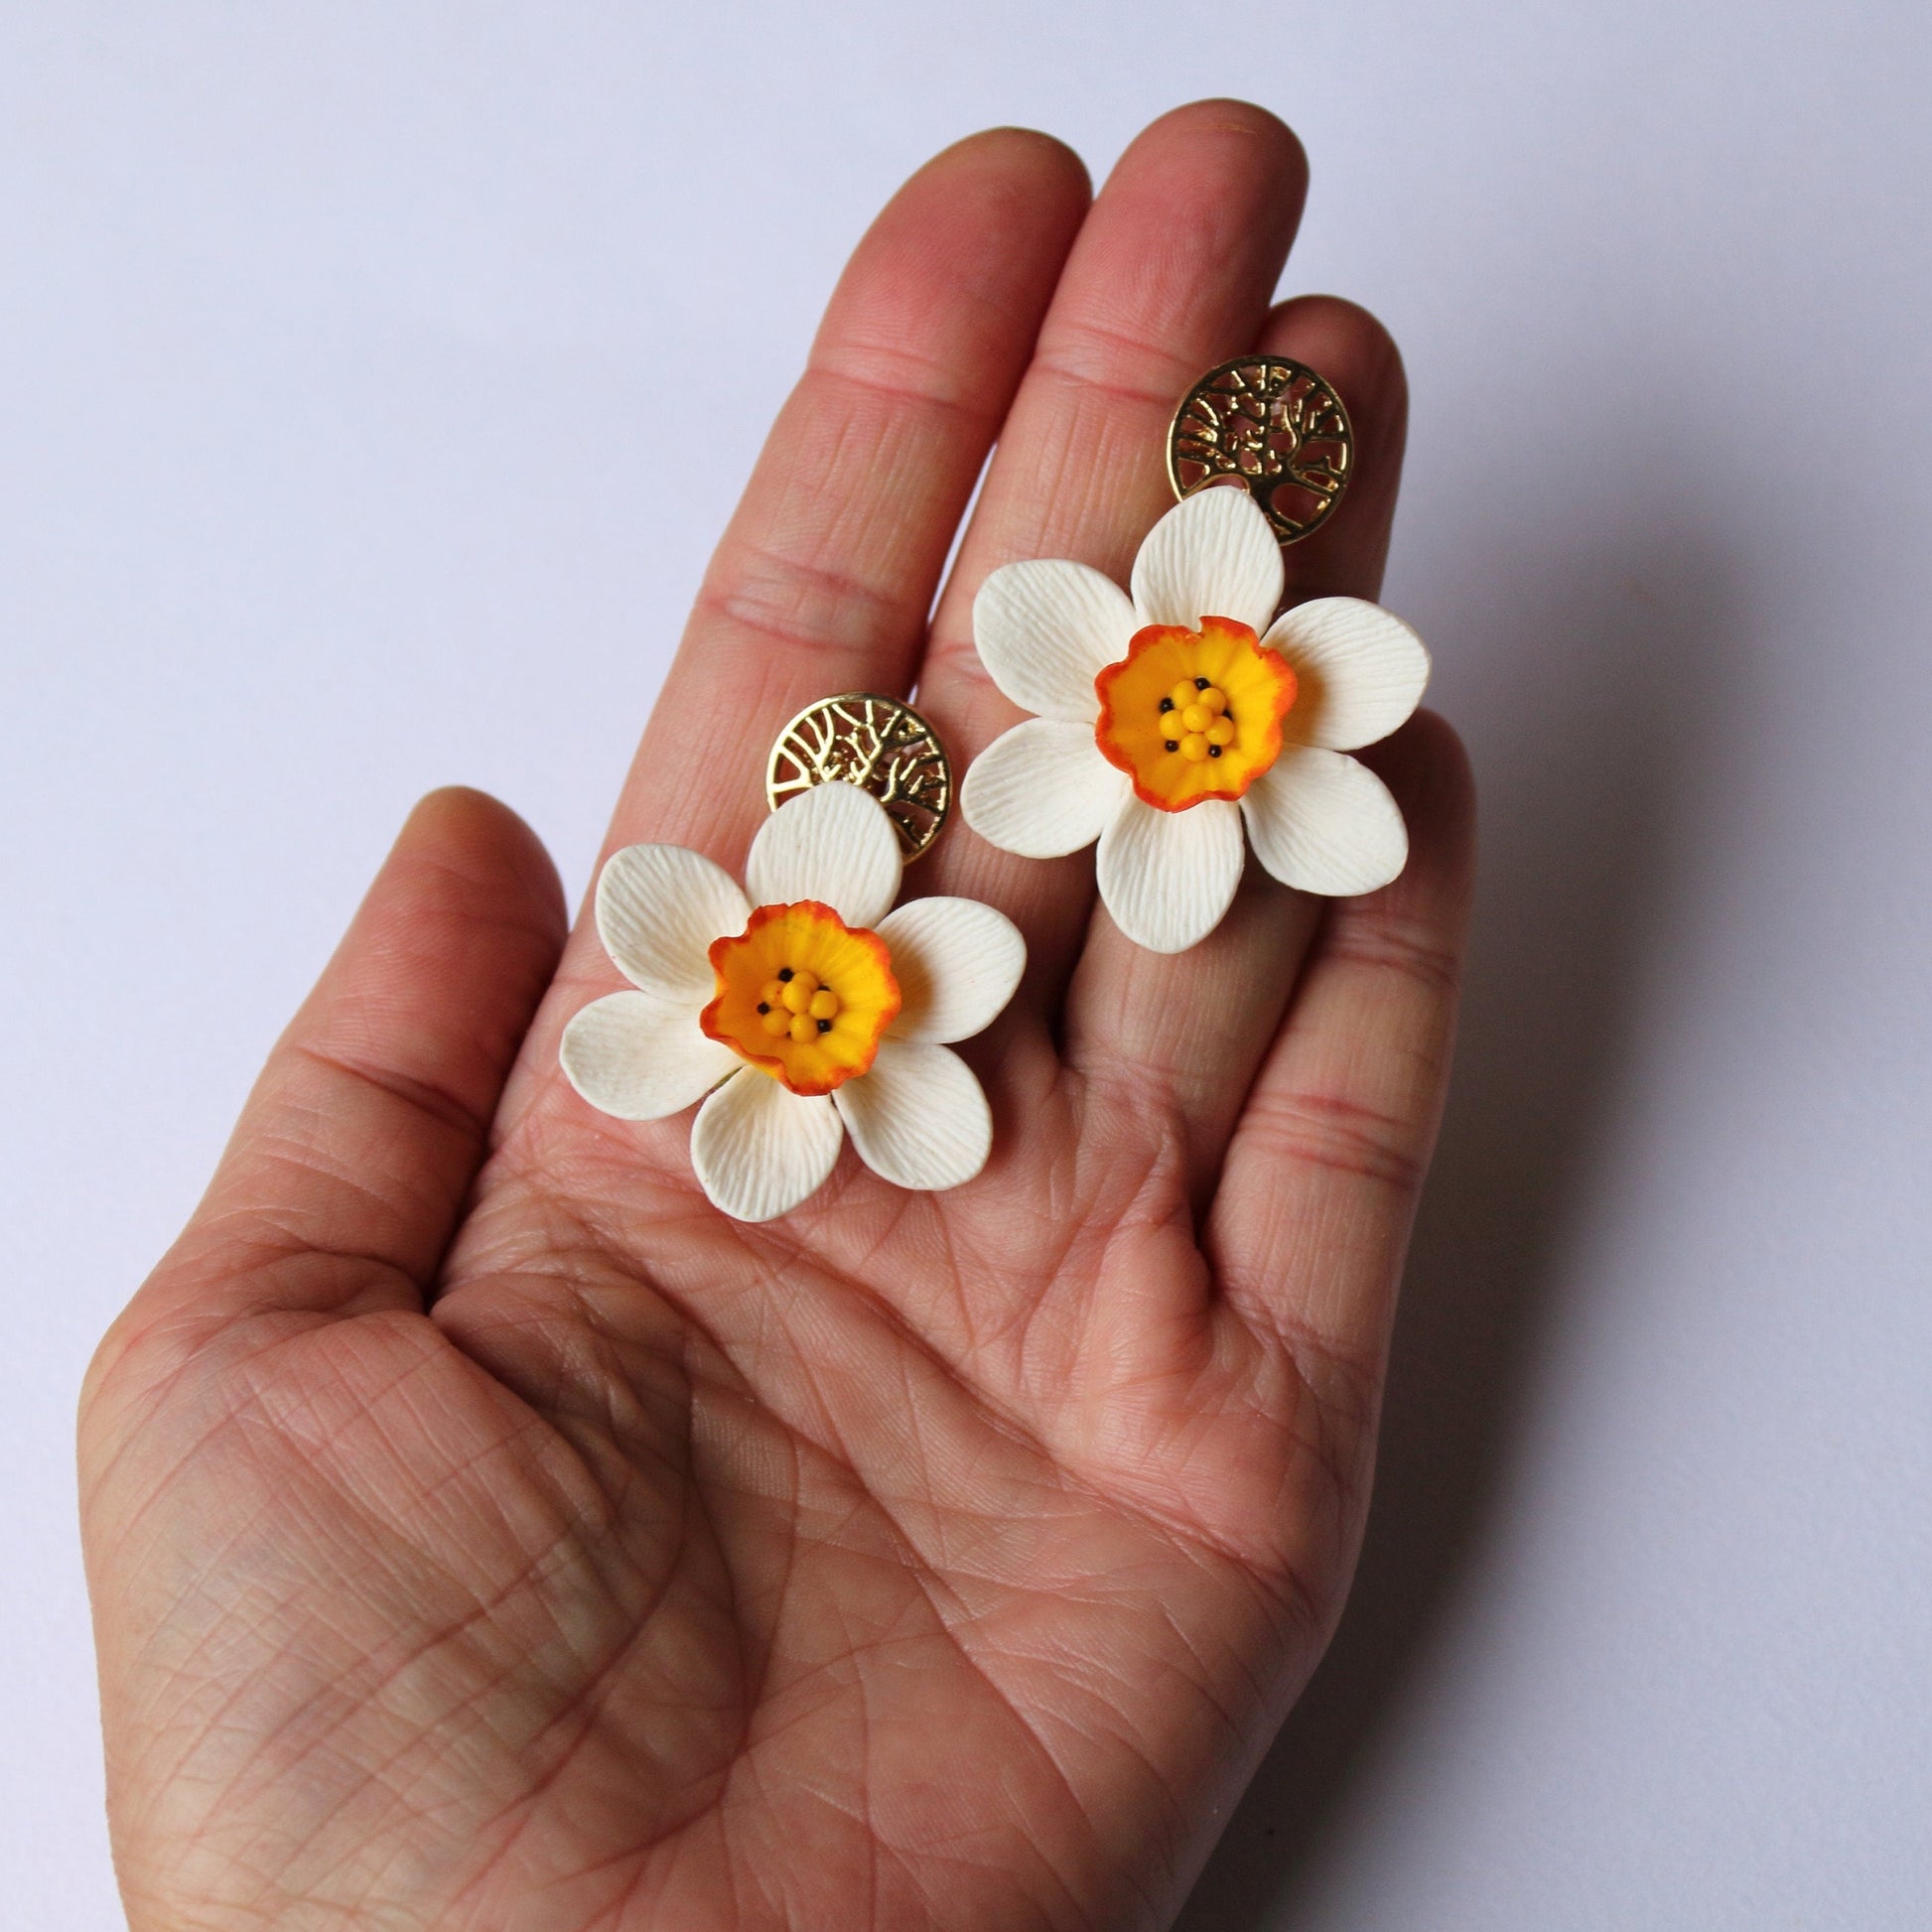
x=1167, y=719
x=806, y=1011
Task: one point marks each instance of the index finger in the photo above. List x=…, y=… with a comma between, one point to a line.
x=826, y=573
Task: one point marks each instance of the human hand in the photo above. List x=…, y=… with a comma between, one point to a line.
x=484, y=1532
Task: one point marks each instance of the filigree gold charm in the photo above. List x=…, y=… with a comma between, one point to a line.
x=1273, y=426
x=877, y=744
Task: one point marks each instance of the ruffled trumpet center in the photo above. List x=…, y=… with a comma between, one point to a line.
x=802, y=996
x=1189, y=714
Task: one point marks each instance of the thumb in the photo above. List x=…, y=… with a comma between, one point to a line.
x=342, y=1185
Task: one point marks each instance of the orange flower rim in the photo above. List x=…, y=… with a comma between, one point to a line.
x=1189, y=714
x=802, y=996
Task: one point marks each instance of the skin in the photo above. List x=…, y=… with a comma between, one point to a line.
x=486, y=1533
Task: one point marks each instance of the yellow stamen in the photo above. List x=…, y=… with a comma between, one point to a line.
x=835, y=996
x=1189, y=714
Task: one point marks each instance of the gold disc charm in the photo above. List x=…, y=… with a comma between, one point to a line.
x=1273, y=426
x=876, y=743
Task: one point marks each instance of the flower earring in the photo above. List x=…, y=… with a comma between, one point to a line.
x=800, y=1011
x=1184, y=722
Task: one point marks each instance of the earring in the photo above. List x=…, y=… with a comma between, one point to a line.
x=882, y=745
x=1274, y=427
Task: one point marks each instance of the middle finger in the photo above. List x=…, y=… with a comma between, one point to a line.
x=1173, y=271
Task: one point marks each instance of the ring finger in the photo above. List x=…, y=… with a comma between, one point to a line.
x=1189, y=1030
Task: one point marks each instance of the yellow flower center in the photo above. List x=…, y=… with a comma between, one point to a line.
x=1189, y=714
x=802, y=996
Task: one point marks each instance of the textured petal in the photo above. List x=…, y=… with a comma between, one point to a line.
x=641, y=1057
x=833, y=843
x=1359, y=671
x=918, y=1118
x=658, y=909
x=1169, y=877
x=760, y=1151
x=1044, y=630
x=1212, y=555
x=1327, y=824
x=1042, y=789
x=957, y=963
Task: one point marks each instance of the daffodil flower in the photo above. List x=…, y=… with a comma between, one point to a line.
x=1167, y=721
x=806, y=1011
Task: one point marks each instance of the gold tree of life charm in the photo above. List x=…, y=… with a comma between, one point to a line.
x=1273, y=426
x=877, y=744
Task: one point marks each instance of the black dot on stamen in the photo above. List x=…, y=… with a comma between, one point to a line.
x=825, y=1026
x=1174, y=744
x=1200, y=684
x=765, y=1005
x=784, y=972
x=1167, y=704
x=1213, y=750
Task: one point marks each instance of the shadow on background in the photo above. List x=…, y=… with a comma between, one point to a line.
x=1598, y=675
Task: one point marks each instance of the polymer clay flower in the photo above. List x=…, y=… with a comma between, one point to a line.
x=1168, y=721
x=805, y=1011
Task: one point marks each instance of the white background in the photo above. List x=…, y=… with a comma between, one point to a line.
x=374, y=381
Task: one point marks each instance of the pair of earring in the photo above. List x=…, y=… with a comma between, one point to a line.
x=1174, y=723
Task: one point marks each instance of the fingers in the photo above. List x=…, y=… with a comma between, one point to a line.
x=341, y=1187
x=1308, y=1227
x=1187, y=1030
x=826, y=574
x=1173, y=271
x=1359, y=357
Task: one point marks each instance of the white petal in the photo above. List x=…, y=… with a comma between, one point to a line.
x=1045, y=630
x=760, y=1149
x=1042, y=789
x=1169, y=877
x=641, y=1058
x=957, y=963
x=1212, y=555
x=833, y=843
x=1323, y=823
x=918, y=1118
x=1359, y=671
x=658, y=909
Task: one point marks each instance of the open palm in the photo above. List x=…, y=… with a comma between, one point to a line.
x=484, y=1532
